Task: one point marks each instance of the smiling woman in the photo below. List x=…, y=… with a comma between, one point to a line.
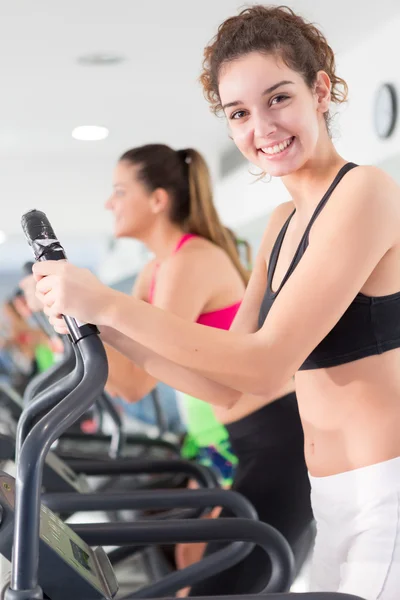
x=323, y=301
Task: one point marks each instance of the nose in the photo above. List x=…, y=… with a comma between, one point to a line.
x=263, y=125
x=109, y=203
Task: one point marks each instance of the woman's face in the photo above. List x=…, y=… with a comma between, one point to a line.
x=130, y=203
x=275, y=119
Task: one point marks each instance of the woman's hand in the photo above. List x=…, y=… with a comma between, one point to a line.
x=64, y=289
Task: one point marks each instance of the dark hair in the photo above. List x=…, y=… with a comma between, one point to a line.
x=185, y=176
x=271, y=29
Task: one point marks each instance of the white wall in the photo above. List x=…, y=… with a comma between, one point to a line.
x=125, y=258
x=240, y=198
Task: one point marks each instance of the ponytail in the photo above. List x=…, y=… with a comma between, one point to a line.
x=203, y=219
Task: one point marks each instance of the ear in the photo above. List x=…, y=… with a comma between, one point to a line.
x=323, y=91
x=159, y=201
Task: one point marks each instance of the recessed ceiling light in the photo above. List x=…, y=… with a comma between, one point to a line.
x=3, y=237
x=90, y=133
x=100, y=59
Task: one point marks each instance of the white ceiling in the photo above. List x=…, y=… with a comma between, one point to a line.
x=153, y=96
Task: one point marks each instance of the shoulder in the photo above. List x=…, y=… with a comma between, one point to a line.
x=370, y=173
x=364, y=209
x=196, y=254
x=366, y=193
x=369, y=184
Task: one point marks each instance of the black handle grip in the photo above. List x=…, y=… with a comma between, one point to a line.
x=41, y=237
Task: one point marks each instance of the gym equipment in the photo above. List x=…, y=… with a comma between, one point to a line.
x=58, y=476
x=73, y=445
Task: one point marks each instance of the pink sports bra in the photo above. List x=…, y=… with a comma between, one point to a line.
x=220, y=319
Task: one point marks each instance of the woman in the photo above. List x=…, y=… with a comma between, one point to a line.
x=163, y=198
x=323, y=302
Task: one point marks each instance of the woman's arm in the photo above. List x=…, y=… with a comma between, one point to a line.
x=126, y=379
x=350, y=237
x=164, y=370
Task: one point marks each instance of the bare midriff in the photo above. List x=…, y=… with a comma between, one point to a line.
x=350, y=414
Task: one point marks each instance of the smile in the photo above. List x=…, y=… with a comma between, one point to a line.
x=277, y=148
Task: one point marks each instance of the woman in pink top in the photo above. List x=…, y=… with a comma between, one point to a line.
x=163, y=198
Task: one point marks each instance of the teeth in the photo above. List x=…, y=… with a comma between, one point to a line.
x=278, y=147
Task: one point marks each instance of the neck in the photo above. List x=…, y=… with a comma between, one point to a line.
x=307, y=185
x=162, y=239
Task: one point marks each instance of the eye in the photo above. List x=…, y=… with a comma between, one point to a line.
x=239, y=114
x=279, y=99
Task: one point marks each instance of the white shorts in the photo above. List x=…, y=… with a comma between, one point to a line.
x=357, y=548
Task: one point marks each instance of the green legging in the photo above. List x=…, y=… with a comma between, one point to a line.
x=207, y=440
x=44, y=357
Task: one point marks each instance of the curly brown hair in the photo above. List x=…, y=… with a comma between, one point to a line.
x=270, y=29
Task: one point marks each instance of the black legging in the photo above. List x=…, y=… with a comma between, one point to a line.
x=271, y=474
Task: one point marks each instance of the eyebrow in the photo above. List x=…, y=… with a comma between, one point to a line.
x=265, y=92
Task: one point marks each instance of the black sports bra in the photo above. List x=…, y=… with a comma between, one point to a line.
x=370, y=325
